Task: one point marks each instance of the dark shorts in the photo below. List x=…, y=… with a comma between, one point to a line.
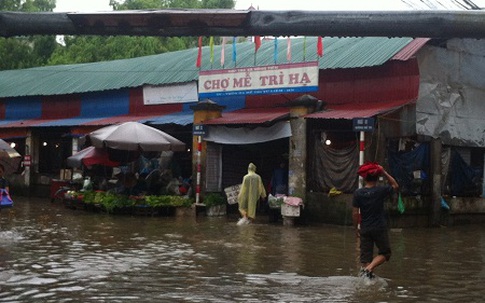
x=381, y=240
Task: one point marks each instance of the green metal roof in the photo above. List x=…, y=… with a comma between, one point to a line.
x=179, y=67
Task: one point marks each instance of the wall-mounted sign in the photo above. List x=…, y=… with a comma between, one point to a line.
x=177, y=93
x=199, y=130
x=27, y=160
x=259, y=80
x=363, y=124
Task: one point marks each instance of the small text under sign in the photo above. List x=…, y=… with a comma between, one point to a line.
x=199, y=130
x=363, y=124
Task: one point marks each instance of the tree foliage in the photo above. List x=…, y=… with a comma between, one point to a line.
x=24, y=52
x=81, y=49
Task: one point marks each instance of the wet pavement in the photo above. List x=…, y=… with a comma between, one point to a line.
x=49, y=253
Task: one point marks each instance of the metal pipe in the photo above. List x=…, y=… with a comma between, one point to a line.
x=430, y=24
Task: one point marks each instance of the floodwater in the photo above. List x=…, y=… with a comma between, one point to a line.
x=49, y=253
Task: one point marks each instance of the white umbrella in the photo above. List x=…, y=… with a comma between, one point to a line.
x=9, y=157
x=134, y=136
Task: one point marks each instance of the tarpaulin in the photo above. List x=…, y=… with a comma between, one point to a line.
x=402, y=166
x=451, y=93
x=245, y=135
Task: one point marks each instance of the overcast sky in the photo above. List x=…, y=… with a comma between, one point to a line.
x=103, y=5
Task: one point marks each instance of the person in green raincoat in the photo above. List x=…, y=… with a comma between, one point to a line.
x=252, y=189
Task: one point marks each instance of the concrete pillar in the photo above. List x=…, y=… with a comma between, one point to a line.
x=435, y=208
x=203, y=111
x=483, y=178
x=297, y=175
x=28, y=152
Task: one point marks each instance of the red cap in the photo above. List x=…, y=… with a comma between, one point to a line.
x=369, y=168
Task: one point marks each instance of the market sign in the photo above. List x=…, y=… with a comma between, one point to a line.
x=259, y=80
x=169, y=94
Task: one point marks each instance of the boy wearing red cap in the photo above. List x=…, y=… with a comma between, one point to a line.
x=373, y=226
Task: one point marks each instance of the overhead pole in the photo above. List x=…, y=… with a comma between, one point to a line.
x=215, y=22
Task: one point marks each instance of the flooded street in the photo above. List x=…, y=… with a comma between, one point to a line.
x=49, y=253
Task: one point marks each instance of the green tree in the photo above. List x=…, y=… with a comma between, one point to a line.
x=24, y=52
x=82, y=49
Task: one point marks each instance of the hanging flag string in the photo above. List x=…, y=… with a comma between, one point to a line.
x=257, y=45
x=198, y=62
x=275, y=55
x=223, y=51
x=319, y=49
x=320, y=46
x=288, y=49
x=234, y=57
x=211, y=45
x=304, y=49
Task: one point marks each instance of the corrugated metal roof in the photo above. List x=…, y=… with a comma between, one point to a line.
x=179, y=66
x=411, y=49
x=251, y=116
x=76, y=121
x=349, y=111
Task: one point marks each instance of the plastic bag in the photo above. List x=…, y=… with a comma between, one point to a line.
x=444, y=205
x=5, y=201
x=400, y=204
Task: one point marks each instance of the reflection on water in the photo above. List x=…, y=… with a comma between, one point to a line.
x=52, y=254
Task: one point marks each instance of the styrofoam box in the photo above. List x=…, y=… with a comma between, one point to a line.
x=289, y=210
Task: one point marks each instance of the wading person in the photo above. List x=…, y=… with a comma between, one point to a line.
x=373, y=225
x=252, y=189
x=5, y=199
x=3, y=181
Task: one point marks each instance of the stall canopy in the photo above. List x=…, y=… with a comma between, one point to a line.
x=245, y=135
x=91, y=156
x=238, y=127
x=349, y=111
x=251, y=116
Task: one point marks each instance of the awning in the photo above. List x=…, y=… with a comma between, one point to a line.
x=251, y=116
x=246, y=135
x=350, y=111
x=92, y=109
x=8, y=133
x=180, y=118
x=219, y=132
x=75, y=121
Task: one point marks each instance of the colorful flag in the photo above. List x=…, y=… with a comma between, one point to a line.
x=275, y=55
x=288, y=49
x=199, y=53
x=211, y=45
x=223, y=51
x=304, y=48
x=234, y=50
x=257, y=43
x=319, y=46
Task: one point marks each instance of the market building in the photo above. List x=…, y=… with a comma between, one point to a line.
x=380, y=81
